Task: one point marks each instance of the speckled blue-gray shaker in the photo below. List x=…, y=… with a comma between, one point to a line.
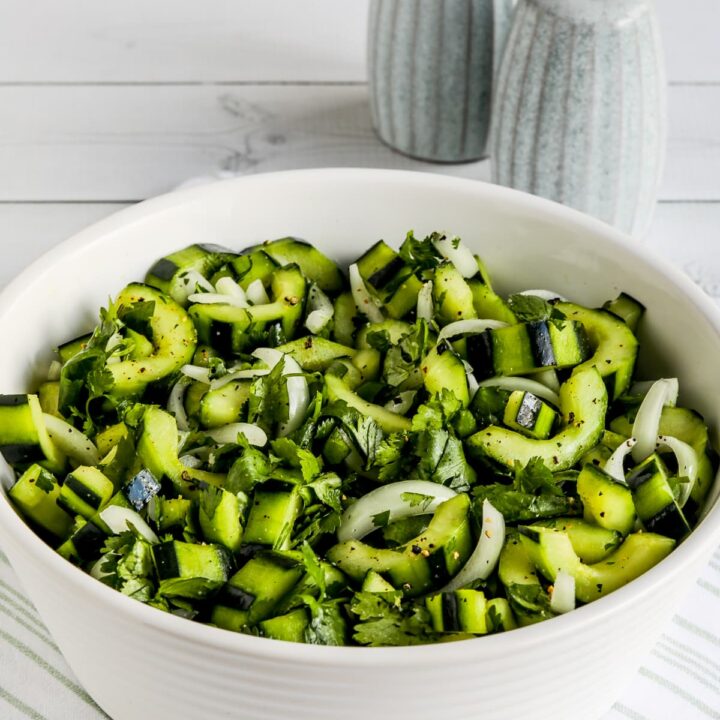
x=579, y=114
x=430, y=70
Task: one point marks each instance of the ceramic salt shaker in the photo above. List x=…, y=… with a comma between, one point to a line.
x=430, y=72
x=579, y=107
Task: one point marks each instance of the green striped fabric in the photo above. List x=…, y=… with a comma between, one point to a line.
x=679, y=680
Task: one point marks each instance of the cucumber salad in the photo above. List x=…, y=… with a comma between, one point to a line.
x=391, y=455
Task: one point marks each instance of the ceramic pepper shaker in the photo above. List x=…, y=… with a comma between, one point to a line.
x=430, y=70
x=579, y=107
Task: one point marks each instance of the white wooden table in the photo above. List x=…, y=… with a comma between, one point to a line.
x=104, y=104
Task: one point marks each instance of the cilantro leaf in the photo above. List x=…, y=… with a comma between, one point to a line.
x=327, y=625
x=381, y=519
x=327, y=489
x=420, y=254
x=45, y=481
x=438, y=412
x=295, y=456
x=533, y=494
x=137, y=316
x=385, y=620
x=442, y=460
x=416, y=499
x=404, y=358
x=250, y=469
x=268, y=403
x=530, y=599
x=364, y=431
x=536, y=477
x=530, y=308
x=392, y=458
x=314, y=568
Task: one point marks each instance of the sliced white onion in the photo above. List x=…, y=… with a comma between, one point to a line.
x=402, y=402
x=54, y=371
x=196, y=372
x=71, y=441
x=118, y=518
x=562, y=598
x=175, y=404
x=469, y=327
x=246, y=374
x=321, y=310
x=549, y=379
x=396, y=499
x=228, y=434
x=425, y=309
x=213, y=298
x=687, y=461
x=189, y=282
x=524, y=384
x=459, y=254
x=546, y=295
x=364, y=302
x=7, y=474
x=256, y=293
x=486, y=553
x=190, y=461
x=227, y=286
x=472, y=382
x=614, y=465
x=316, y=321
x=297, y=387
x=647, y=421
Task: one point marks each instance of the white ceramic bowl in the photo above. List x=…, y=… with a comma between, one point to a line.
x=138, y=662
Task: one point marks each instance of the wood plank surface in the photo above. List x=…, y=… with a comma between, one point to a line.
x=116, y=143
x=250, y=40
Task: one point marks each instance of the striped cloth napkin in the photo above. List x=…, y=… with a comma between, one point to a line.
x=679, y=679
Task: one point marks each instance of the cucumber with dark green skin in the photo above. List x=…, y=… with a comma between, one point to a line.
x=254, y=591
x=452, y=296
x=169, y=274
x=583, y=403
x=85, y=491
x=173, y=337
x=391, y=279
x=19, y=439
x=654, y=498
x=443, y=369
x=530, y=415
x=627, y=308
x=273, y=512
x=613, y=344
x=290, y=627
x=36, y=493
x=424, y=562
x=188, y=570
x=690, y=427
x=458, y=611
x=552, y=550
x=230, y=329
x=85, y=544
x=526, y=348
x=591, y=542
x=606, y=502
x=315, y=265
x=224, y=405
x=247, y=268
x=316, y=353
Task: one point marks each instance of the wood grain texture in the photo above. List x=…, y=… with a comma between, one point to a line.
x=249, y=40
x=126, y=143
